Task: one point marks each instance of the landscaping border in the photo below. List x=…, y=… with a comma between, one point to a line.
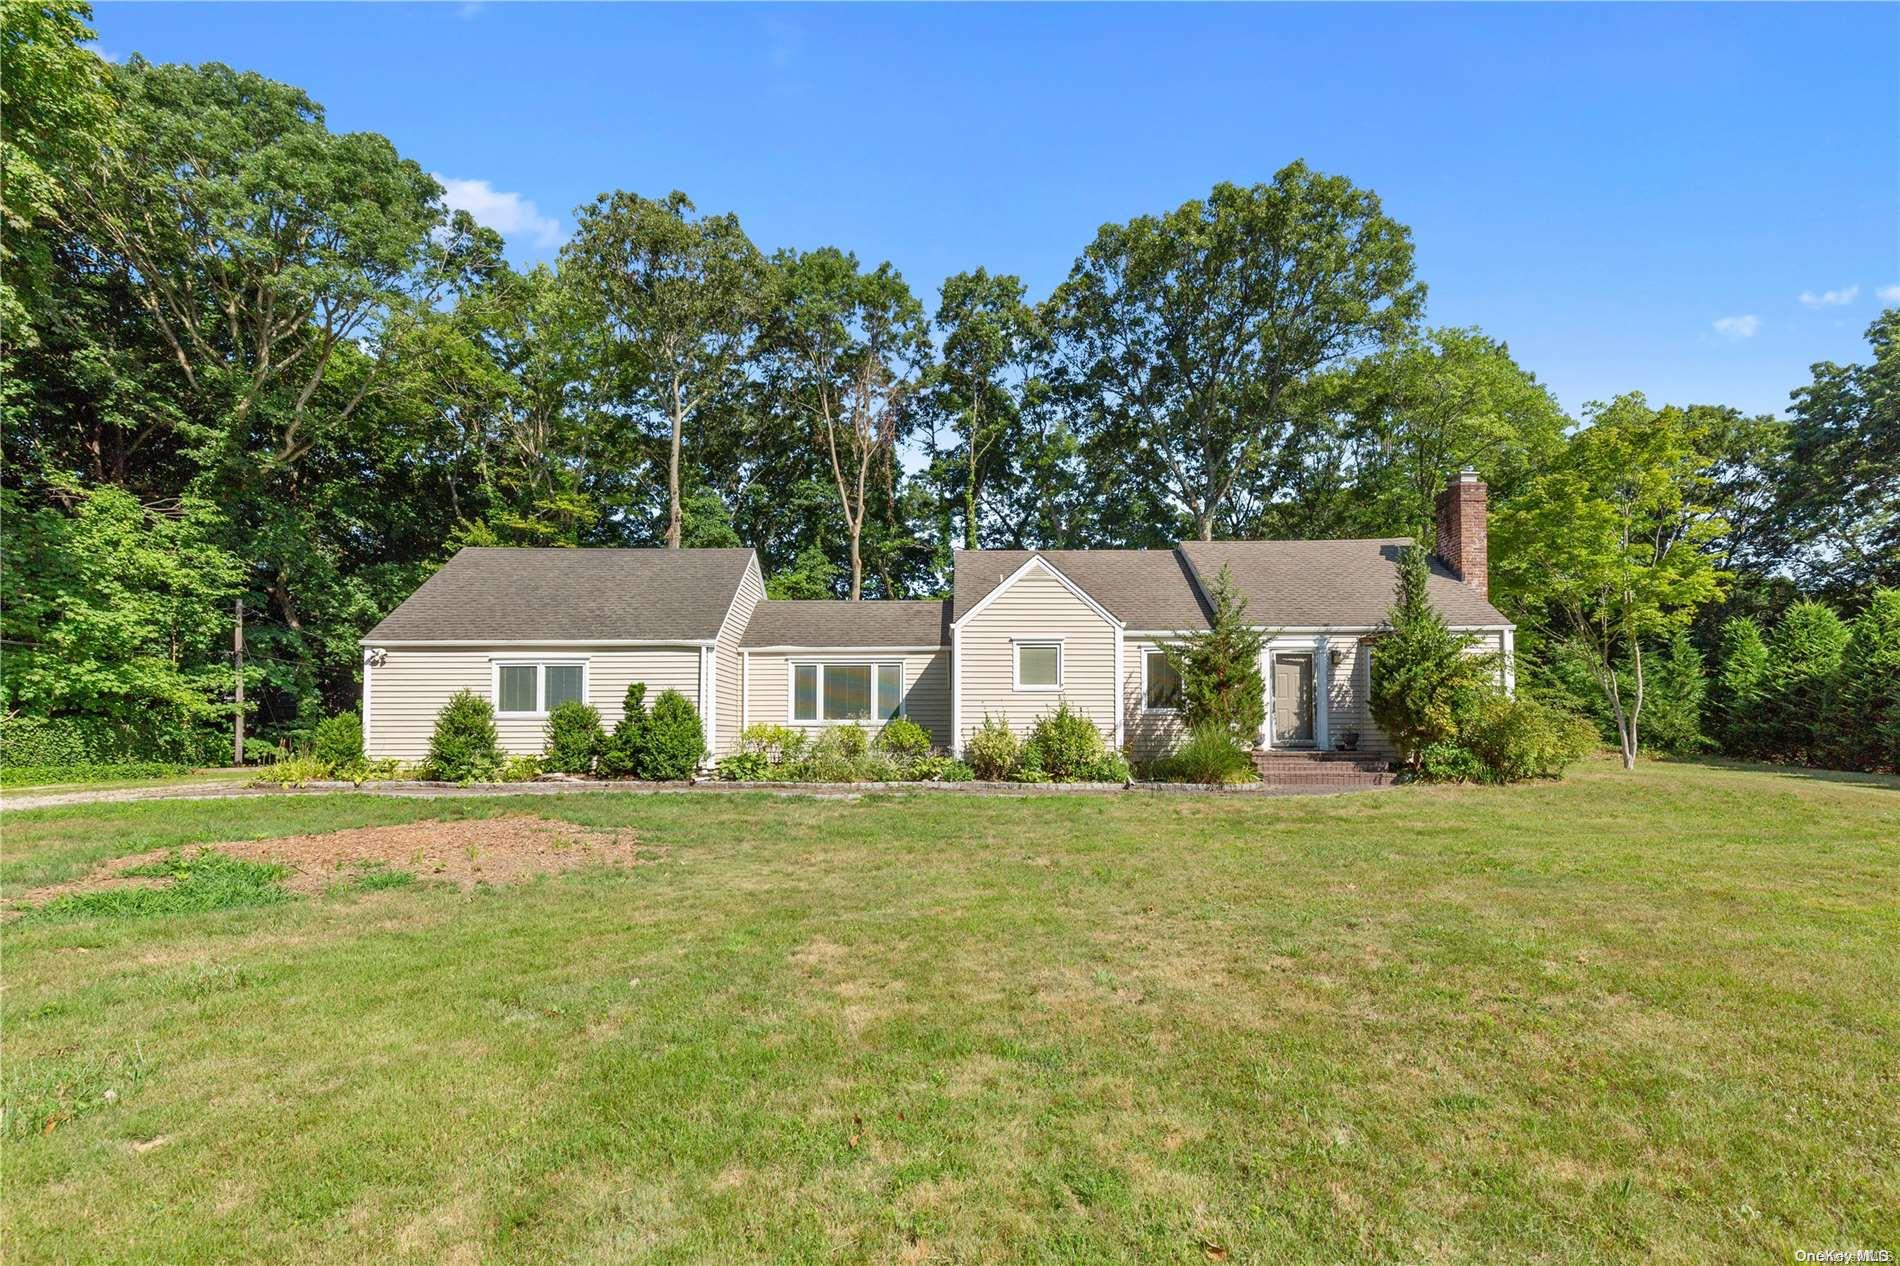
x=415, y=788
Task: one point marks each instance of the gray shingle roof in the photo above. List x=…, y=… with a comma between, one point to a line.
x=1143, y=588
x=570, y=595
x=1303, y=584
x=874, y=623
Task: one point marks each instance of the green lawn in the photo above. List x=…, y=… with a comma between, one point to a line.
x=196, y=778
x=1647, y=1016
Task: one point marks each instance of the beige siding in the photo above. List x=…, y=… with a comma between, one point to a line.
x=726, y=659
x=1147, y=735
x=410, y=687
x=1037, y=605
x=926, y=686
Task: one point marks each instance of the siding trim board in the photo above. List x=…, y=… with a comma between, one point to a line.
x=449, y=646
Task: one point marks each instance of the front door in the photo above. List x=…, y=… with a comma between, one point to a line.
x=1292, y=699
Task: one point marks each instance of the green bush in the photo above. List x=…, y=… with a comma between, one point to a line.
x=953, y=770
x=1108, y=767
x=938, y=769
x=904, y=739
x=521, y=769
x=1450, y=761
x=1673, y=700
x=1517, y=739
x=46, y=741
x=338, y=740
x=675, y=739
x=39, y=775
x=625, y=750
x=574, y=738
x=848, y=739
x=296, y=772
x=993, y=750
x=1221, y=683
x=1209, y=754
x=465, y=747
x=1063, y=743
x=744, y=767
x=777, y=743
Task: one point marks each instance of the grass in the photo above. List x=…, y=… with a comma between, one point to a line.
x=1628, y=1016
x=35, y=783
x=206, y=880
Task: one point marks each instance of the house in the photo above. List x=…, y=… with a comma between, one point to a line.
x=530, y=628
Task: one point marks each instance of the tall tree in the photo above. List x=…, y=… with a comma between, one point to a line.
x=1180, y=336
x=844, y=348
x=986, y=378
x=680, y=295
x=1608, y=548
x=1838, y=517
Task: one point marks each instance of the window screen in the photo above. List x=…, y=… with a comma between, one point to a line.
x=890, y=690
x=564, y=684
x=805, y=692
x=1164, y=684
x=847, y=692
x=517, y=688
x=1038, y=665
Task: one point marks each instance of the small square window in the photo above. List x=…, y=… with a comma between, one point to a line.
x=518, y=692
x=1039, y=666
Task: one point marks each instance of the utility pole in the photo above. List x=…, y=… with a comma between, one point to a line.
x=237, y=646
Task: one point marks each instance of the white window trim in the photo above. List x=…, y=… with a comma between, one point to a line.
x=541, y=666
x=875, y=719
x=1016, y=662
x=1146, y=710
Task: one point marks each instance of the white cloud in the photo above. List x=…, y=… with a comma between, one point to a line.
x=509, y=214
x=1889, y=294
x=1829, y=298
x=1736, y=328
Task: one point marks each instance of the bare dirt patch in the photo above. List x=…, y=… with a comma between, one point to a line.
x=464, y=853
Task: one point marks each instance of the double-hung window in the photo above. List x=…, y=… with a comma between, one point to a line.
x=1160, y=683
x=846, y=692
x=524, y=687
x=1039, y=665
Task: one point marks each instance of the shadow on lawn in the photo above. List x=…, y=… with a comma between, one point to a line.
x=1885, y=782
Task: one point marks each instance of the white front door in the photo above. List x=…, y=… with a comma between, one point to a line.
x=1293, y=699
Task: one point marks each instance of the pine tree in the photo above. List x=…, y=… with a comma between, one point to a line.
x=1221, y=683
x=1865, y=732
x=1420, y=668
x=1804, y=665
x=1739, y=693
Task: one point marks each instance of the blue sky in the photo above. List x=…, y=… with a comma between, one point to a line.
x=1694, y=201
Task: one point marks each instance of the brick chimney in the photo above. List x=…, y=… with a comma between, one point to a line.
x=1461, y=530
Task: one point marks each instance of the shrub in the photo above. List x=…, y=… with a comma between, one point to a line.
x=848, y=739
x=464, y=747
x=35, y=775
x=521, y=769
x=1063, y=742
x=295, y=772
x=1420, y=667
x=953, y=770
x=744, y=767
x=777, y=743
x=937, y=769
x=904, y=739
x=574, y=738
x=624, y=752
x=338, y=740
x=993, y=750
x=675, y=739
x=1108, y=767
x=1516, y=739
x=1449, y=761
x=47, y=741
x=1209, y=755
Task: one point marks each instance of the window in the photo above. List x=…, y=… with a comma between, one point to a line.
x=1161, y=688
x=1038, y=665
x=531, y=688
x=846, y=692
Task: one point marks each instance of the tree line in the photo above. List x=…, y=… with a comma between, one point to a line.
x=250, y=358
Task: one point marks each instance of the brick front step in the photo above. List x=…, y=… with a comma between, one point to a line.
x=1296, y=768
